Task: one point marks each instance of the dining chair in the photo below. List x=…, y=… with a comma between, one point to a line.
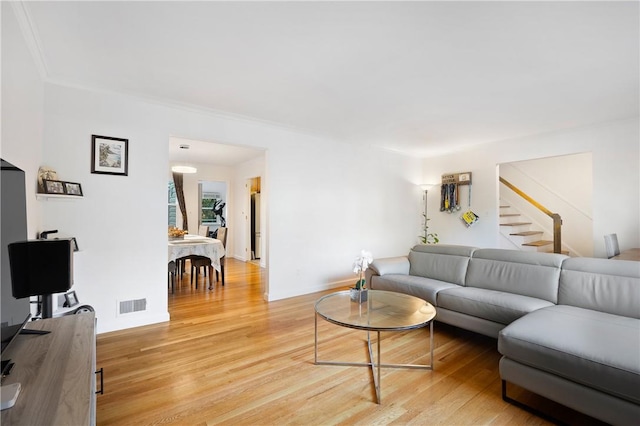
x=173, y=269
x=196, y=261
x=222, y=236
x=203, y=230
x=611, y=245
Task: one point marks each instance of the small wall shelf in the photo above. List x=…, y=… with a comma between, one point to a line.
x=46, y=197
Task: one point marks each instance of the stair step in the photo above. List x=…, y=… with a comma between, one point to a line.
x=504, y=207
x=515, y=224
x=509, y=214
x=527, y=233
x=539, y=243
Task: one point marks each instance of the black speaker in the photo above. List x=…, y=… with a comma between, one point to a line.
x=41, y=267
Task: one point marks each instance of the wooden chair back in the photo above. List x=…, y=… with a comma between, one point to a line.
x=222, y=236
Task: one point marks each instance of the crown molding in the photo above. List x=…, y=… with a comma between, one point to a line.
x=187, y=107
x=31, y=37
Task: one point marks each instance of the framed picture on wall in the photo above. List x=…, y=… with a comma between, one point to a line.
x=53, y=186
x=73, y=188
x=109, y=156
x=70, y=299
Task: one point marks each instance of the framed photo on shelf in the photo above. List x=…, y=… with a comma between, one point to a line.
x=70, y=299
x=53, y=186
x=109, y=156
x=72, y=188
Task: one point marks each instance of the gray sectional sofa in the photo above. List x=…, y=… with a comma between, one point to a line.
x=567, y=328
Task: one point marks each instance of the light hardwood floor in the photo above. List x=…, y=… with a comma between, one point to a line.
x=228, y=357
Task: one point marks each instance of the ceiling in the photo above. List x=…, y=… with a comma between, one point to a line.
x=421, y=78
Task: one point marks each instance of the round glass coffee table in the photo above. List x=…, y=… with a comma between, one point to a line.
x=382, y=311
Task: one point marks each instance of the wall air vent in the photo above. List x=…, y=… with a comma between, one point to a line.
x=130, y=306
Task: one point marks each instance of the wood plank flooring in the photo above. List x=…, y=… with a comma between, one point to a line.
x=229, y=357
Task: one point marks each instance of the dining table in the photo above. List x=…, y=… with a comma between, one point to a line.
x=191, y=245
x=629, y=254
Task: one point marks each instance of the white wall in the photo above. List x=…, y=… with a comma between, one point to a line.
x=120, y=223
x=615, y=147
x=327, y=200
x=22, y=112
x=337, y=202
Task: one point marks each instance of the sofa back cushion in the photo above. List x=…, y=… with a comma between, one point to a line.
x=611, y=286
x=440, y=262
x=530, y=274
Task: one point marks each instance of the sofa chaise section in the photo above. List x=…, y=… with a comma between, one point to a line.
x=584, y=352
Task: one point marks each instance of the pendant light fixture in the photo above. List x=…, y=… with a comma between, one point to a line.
x=183, y=168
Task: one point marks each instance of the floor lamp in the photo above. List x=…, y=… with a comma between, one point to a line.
x=426, y=187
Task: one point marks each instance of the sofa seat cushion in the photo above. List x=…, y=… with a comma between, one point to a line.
x=491, y=305
x=424, y=288
x=592, y=348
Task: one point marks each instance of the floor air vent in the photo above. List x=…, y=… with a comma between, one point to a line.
x=130, y=306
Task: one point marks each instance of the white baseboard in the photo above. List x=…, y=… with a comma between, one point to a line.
x=309, y=290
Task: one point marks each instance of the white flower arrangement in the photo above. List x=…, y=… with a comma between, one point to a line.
x=360, y=265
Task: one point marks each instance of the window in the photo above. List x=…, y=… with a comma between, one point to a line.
x=173, y=206
x=207, y=201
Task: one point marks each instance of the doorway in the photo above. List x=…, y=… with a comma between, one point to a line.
x=255, y=219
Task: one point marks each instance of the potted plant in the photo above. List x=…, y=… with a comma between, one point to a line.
x=358, y=293
x=428, y=238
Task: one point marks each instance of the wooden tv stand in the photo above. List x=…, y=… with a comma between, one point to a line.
x=56, y=372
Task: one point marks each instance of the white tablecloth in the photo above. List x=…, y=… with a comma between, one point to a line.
x=196, y=245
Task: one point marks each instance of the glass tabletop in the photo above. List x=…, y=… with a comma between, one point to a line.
x=383, y=310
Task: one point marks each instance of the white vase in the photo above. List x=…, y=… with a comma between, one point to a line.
x=357, y=295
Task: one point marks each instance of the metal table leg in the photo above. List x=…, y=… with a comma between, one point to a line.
x=375, y=364
x=375, y=367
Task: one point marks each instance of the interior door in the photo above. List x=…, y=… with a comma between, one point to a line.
x=255, y=226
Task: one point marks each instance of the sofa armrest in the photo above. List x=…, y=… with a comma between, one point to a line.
x=390, y=265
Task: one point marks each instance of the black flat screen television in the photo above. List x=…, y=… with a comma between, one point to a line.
x=9, y=334
x=13, y=217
